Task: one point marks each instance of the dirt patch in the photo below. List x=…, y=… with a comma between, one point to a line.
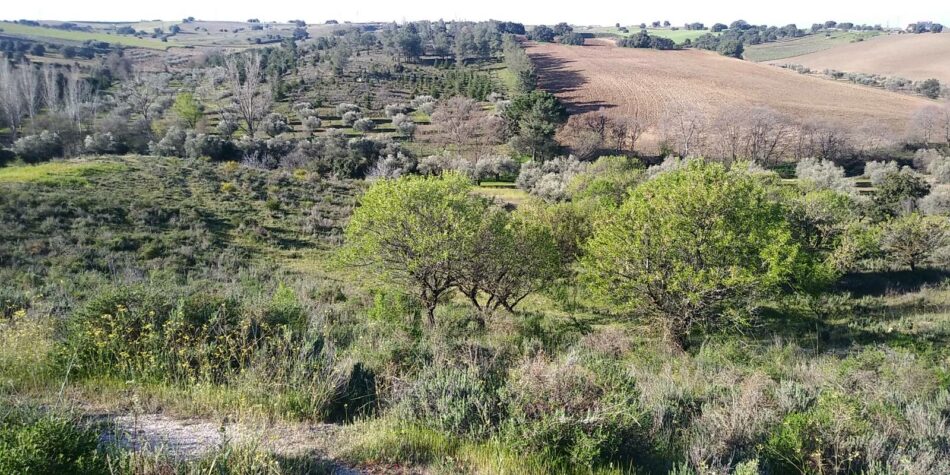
x=187, y=439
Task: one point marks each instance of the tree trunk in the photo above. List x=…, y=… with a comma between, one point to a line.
x=675, y=338
x=430, y=314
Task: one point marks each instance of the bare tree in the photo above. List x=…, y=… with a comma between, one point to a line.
x=831, y=141
x=876, y=134
x=728, y=133
x=51, y=97
x=626, y=131
x=758, y=134
x=768, y=134
x=819, y=139
x=144, y=92
x=599, y=123
x=74, y=97
x=685, y=128
x=925, y=124
x=244, y=78
x=29, y=89
x=464, y=124
x=11, y=98
x=802, y=140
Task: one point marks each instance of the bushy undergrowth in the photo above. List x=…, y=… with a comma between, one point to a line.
x=33, y=442
x=202, y=286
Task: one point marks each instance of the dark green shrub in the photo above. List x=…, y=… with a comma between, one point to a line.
x=356, y=397
x=6, y=156
x=820, y=439
x=40, y=147
x=34, y=443
x=211, y=146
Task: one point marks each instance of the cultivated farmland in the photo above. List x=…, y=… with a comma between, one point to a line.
x=805, y=45
x=625, y=82
x=916, y=57
x=43, y=33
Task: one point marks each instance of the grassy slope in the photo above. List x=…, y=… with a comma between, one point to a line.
x=187, y=220
x=804, y=45
x=891, y=331
x=57, y=173
x=679, y=36
x=907, y=56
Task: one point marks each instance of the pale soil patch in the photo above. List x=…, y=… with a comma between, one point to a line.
x=187, y=439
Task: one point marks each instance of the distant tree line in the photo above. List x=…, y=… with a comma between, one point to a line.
x=561, y=33
x=460, y=40
x=645, y=40
x=924, y=27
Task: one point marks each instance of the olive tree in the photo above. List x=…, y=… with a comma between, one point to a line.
x=897, y=193
x=693, y=247
x=404, y=125
x=275, y=124
x=417, y=230
x=911, y=240
x=311, y=124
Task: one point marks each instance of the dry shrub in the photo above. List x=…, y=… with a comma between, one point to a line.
x=568, y=410
x=609, y=342
x=730, y=427
x=669, y=391
x=540, y=387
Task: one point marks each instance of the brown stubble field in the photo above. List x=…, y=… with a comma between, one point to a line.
x=627, y=82
x=916, y=57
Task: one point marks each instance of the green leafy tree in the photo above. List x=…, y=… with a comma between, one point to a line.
x=417, y=230
x=731, y=48
x=532, y=120
x=898, y=191
x=512, y=256
x=821, y=221
x=693, y=247
x=608, y=180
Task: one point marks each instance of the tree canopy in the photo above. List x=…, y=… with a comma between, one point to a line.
x=691, y=247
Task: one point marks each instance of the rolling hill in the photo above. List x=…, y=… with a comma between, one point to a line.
x=625, y=81
x=916, y=57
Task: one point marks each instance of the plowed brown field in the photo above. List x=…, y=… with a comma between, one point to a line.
x=915, y=57
x=622, y=81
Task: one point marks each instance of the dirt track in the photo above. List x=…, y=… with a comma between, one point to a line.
x=622, y=81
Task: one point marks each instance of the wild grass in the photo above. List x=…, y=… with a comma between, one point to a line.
x=26, y=352
x=679, y=36
x=505, y=194
x=392, y=442
x=57, y=173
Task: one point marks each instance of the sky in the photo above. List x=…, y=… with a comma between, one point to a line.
x=602, y=12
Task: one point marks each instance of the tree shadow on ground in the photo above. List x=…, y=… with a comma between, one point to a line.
x=557, y=77
x=879, y=284
x=310, y=464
